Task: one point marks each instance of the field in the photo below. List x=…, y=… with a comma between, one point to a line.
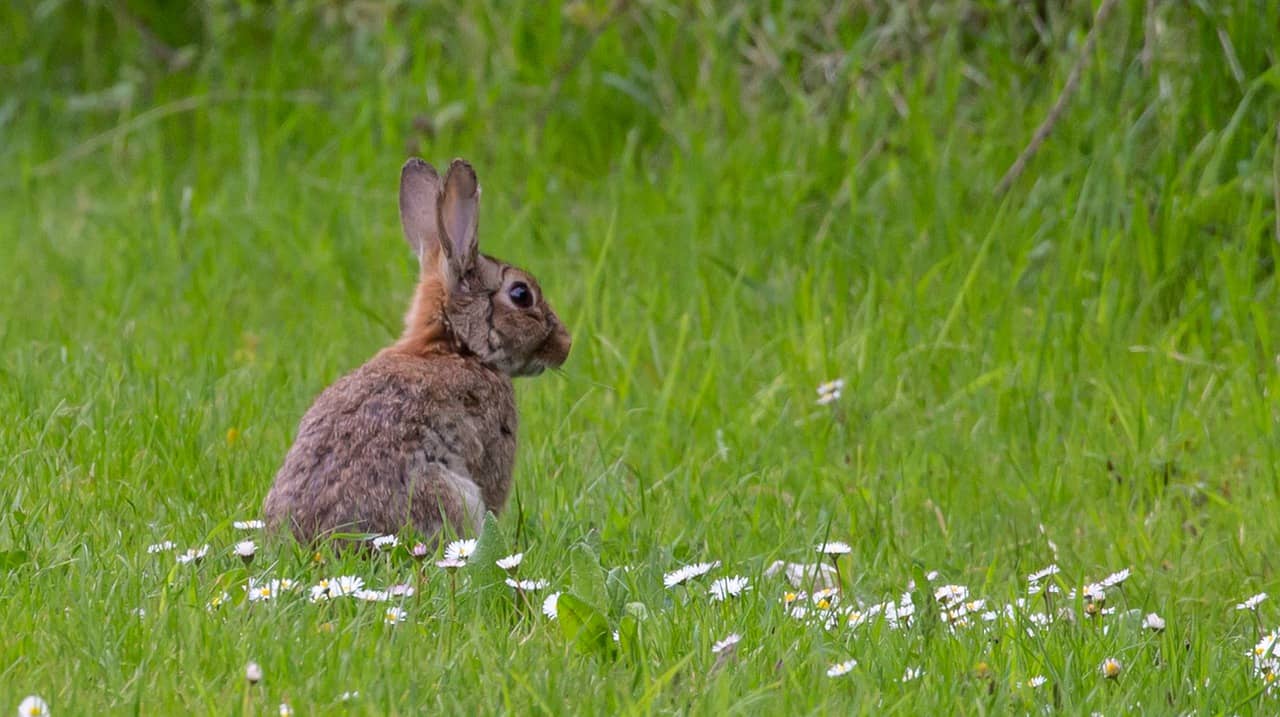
x=729, y=206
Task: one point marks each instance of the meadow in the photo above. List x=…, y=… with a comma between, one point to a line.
x=731, y=206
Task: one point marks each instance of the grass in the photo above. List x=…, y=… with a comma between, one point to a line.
x=728, y=207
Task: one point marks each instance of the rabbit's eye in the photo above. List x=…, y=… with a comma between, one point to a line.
x=520, y=295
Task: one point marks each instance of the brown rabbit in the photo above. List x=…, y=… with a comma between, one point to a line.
x=425, y=433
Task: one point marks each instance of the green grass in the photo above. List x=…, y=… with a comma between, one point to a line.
x=727, y=207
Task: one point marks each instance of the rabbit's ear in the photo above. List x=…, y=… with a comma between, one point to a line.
x=419, y=202
x=459, y=212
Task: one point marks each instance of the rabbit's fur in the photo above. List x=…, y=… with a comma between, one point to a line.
x=424, y=434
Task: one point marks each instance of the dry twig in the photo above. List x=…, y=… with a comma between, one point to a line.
x=1069, y=89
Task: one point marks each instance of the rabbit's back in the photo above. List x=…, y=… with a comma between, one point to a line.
x=403, y=440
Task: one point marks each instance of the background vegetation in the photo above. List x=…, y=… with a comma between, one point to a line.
x=728, y=204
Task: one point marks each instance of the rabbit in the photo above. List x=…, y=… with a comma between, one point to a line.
x=424, y=434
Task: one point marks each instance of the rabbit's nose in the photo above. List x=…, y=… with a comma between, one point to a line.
x=555, y=348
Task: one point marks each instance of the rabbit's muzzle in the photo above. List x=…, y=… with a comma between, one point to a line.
x=553, y=351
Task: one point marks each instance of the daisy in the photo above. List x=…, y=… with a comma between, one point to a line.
x=161, y=547
x=841, y=668
x=511, y=562
x=550, y=605
x=688, y=572
x=193, y=555
x=1037, y=681
x=372, y=595
x=33, y=706
x=420, y=551
x=1115, y=578
x=394, y=615
x=217, y=601
x=1111, y=668
x=949, y=594
x=825, y=598
x=1153, y=622
x=249, y=525
x=451, y=564
x=263, y=591
x=401, y=590
x=728, y=643
x=246, y=550
x=725, y=588
x=285, y=710
x=1094, y=592
x=1039, y=575
x=460, y=550
x=346, y=585
x=253, y=673
x=912, y=673
x=789, y=597
x=1252, y=603
x=385, y=542
x=527, y=585
x=830, y=391
x=801, y=574
x=1268, y=646
x=834, y=548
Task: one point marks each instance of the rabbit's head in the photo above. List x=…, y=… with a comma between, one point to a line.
x=482, y=306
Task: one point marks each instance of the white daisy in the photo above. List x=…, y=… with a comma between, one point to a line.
x=728, y=643
x=394, y=615
x=800, y=574
x=451, y=564
x=33, y=706
x=346, y=585
x=285, y=710
x=1115, y=578
x=249, y=525
x=1037, y=681
x=420, y=551
x=511, y=562
x=1153, y=622
x=193, y=555
x=841, y=668
x=688, y=572
x=161, y=547
x=1043, y=573
x=550, y=605
x=1094, y=592
x=825, y=598
x=217, y=601
x=527, y=585
x=830, y=391
x=833, y=548
x=401, y=590
x=1110, y=668
x=460, y=549
x=385, y=542
x=253, y=673
x=1252, y=603
x=246, y=549
x=263, y=591
x=372, y=595
x=912, y=673
x=725, y=588
x=950, y=594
